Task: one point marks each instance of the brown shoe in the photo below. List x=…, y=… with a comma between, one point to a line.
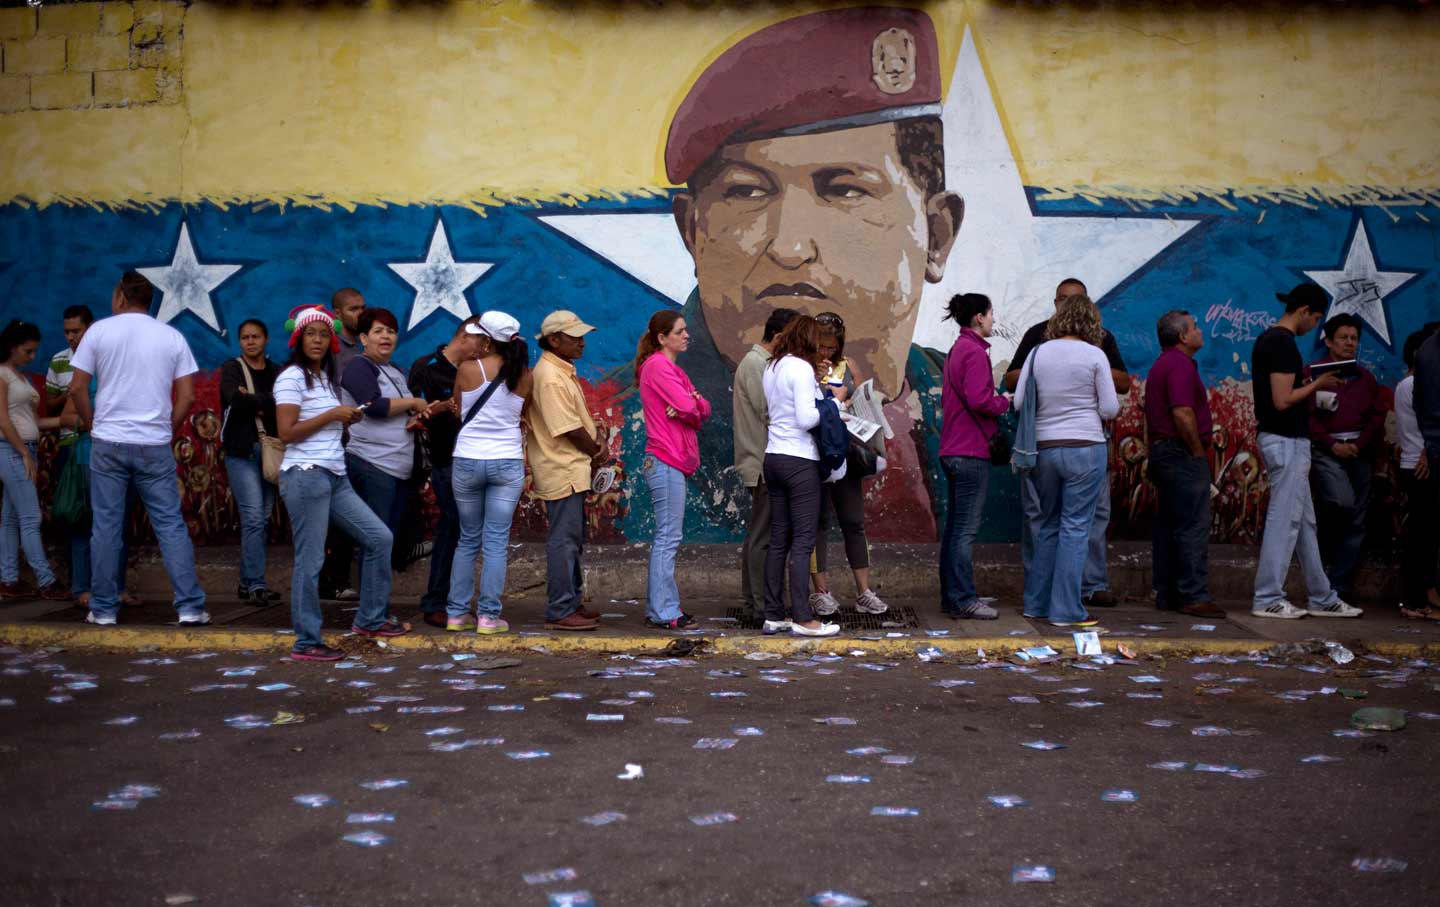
x=1102, y=598
x=14, y=590
x=587, y=613
x=571, y=621
x=54, y=593
x=1203, y=609
x=434, y=618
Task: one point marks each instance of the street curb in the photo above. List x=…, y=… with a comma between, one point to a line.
x=217, y=639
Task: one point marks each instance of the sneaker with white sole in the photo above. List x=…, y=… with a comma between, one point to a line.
x=195, y=619
x=823, y=603
x=1280, y=610
x=1337, y=608
x=823, y=630
x=346, y=595
x=870, y=603
x=103, y=620
x=489, y=626
x=771, y=627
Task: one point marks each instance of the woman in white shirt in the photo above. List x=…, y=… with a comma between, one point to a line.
x=1418, y=599
x=1075, y=393
x=488, y=473
x=380, y=455
x=792, y=477
x=20, y=525
x=310, y=419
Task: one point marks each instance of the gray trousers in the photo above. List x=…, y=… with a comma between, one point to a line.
x=564, y=580
x=755, y=550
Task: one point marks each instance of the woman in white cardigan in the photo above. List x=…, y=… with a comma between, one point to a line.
x=1075, y=394
x=792, y=476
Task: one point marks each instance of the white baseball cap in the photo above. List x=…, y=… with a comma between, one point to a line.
x=495, y=325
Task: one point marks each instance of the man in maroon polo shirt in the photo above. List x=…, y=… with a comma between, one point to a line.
x=1177, y=414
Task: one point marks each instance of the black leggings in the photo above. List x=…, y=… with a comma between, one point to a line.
x=847, y=498
x=794, y=487
x=1421, y=540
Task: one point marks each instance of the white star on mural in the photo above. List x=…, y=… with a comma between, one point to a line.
x=1360, y=288
x=440, y=281
x=1004, y=250
x=185, y=284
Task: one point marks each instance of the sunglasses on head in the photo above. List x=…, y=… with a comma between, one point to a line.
x=831, y=319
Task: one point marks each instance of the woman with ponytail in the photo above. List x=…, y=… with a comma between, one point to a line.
x=673, y=411
x=20, y=428
x=488, y=472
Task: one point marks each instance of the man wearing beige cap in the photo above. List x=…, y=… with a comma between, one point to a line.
x=563, y=449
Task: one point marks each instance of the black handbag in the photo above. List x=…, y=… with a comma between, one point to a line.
x=1000, y=446
x=861, y=459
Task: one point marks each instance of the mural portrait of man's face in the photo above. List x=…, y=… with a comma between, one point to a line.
x=851, y=221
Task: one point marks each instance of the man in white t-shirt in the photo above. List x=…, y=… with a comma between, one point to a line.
x=138, y=363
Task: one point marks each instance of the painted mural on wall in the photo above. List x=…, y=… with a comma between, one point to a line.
x=852, y=160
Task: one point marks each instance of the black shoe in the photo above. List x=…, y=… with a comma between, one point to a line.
x=259, y=595
x=683, y=622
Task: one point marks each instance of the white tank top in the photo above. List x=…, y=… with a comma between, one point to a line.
x=494, y=433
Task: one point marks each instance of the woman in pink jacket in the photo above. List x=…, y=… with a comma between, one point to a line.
x=971, y=411
x=673, y=412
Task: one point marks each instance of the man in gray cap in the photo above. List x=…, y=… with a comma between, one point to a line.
x=563, y=448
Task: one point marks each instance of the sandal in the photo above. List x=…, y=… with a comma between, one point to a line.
x=1426, y=613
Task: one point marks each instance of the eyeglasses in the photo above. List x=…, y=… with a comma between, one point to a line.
x=831, y=319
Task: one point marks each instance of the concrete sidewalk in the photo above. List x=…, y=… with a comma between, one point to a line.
x=905, y=576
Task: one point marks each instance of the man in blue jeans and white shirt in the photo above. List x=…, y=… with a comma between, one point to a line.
x=1282, y=420
x=138, y=362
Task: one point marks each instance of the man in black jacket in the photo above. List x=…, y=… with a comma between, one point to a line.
x=432, y=378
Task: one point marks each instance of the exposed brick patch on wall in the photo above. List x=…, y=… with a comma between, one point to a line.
x=80, y=55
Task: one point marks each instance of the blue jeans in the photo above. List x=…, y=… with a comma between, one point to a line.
x=969, y=478
x=315, y=498
x=1342, y=497
x=150, y=470
x=20, y=523
x=667, y=496
x=254, y=498
x=564, y=552
x=1289, y=524
x=447, y=536
x=486, y=492
x=1068, y=481
x=1096, y=577
x=1180, y=542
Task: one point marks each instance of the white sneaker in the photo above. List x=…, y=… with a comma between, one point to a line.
x=772, y=627
x=1337, y=608
x=823, y=603
x=346, y=595
x=107, y=621
x=870, y=603
x=822, y=630
x=1281, y=610
x=195, y=619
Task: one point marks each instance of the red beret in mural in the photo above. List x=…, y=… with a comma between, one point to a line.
x=838, y=69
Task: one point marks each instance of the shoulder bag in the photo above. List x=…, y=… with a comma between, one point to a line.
x=272, y=450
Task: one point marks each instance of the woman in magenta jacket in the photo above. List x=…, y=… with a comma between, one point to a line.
x=673, y=412
x=971, y=411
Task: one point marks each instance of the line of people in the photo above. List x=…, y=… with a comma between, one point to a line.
x=349, y=439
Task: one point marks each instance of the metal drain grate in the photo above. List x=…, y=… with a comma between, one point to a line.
x=848, y=619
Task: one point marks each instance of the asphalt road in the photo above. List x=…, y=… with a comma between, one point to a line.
x=469, y=824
